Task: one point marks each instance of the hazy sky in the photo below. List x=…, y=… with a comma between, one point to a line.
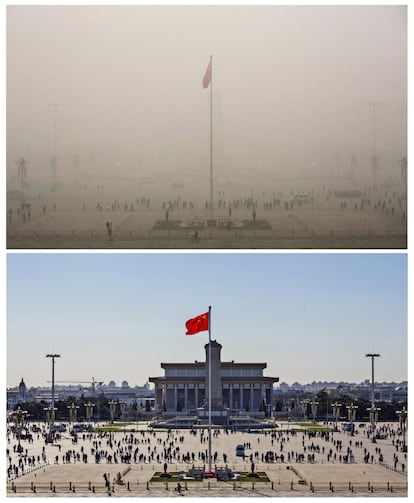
x=118, y=316
x=292, y=85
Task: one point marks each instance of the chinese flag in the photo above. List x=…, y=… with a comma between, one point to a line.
x=207, y=77
x=197, y=324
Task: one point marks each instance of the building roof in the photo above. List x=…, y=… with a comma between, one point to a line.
x=224, y=379
x=223, y=365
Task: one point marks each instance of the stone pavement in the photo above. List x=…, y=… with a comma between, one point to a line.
x=312, y=476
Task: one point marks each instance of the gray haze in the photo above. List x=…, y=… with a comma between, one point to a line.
x=108, y=127
x=292, y=86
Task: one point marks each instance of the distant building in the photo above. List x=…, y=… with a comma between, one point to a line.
x=384, y=392
x=17, y=395
x=130, y=395
x=22, y=391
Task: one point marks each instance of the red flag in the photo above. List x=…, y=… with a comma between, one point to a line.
x=207, y=76
x=197, y=324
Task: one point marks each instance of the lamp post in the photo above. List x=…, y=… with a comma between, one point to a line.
x=53, y=356
x=290, y=404
x=47, y=414
x=372, y=356
x=336, y=413
x=19, y=415
x=402, y=415
x=122, y=405
x=352, y=408
x=112, y=405
x=89, y=410
x=50, y=414
x=50, y=419
x=73, y=412
x=314, y=408
x=305, y=408
x=373, y=418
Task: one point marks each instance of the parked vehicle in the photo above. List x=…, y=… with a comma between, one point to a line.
x=240, y=450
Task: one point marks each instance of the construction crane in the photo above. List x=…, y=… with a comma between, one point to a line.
x=93, y=383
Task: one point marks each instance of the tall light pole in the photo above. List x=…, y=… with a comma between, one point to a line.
x=375, y=166
x=53, y=356
x=372, y=416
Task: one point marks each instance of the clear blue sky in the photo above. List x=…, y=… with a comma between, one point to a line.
x=117, y=316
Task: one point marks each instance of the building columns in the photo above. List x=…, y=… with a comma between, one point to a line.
x=231, y=396
x=241, y=405
x=186, y=397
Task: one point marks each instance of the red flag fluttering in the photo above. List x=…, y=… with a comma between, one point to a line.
x=197, y=324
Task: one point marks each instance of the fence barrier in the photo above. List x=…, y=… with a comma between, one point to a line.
x=285, y=486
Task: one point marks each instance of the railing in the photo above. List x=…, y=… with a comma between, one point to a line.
x=179, y=234
x=27, y=470
x=391, y=467
x=211, y=485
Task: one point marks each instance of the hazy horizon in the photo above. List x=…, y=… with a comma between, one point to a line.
x=291, y=88
x=311, y=317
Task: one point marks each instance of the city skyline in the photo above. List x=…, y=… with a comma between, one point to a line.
x=310, y=317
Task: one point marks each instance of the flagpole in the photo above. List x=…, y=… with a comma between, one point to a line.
x=211, y=138
x=209, y=388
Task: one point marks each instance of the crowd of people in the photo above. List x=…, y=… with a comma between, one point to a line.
x=178, y=447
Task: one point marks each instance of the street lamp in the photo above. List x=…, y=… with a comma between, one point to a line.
x=352, y=408
x=402, y=415
x=50, y=419
x=73, y=411
x=372, y=356
x=290, y=403
x=53, y=356
x=89, y=410
x=336, y=413
x=122, y=405
x=305, y=408
x=373, y=417
x=50, y=414
x=314, y=408
x=19, y=423
x=112, y=405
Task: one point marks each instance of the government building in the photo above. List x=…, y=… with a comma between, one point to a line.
x=237, y=389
